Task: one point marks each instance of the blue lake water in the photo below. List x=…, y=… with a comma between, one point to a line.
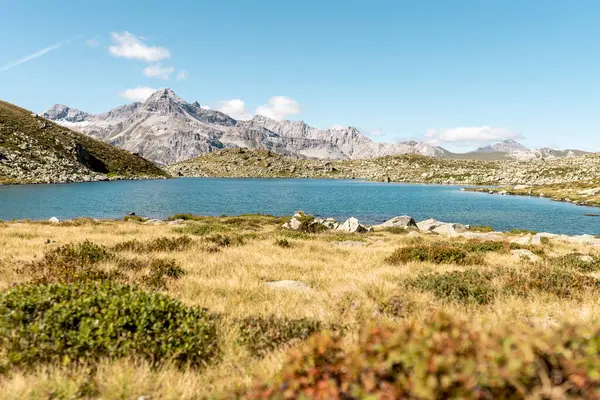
x=370, y=202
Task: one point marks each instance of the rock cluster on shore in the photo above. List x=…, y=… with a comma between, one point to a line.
x=302, y=221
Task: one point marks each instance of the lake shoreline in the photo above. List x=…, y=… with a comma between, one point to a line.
x=538, y=193
x=371, y=202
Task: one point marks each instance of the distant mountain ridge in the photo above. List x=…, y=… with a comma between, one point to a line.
x=166, y=129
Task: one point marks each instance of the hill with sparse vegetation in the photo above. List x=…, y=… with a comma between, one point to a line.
x=35, y=150
x=242, y=163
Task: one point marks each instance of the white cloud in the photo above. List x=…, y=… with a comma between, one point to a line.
x=92, y=42
x=337, y=127
x=137, y=94
x=470, y=134
x=183, y=74
x=158, y=71
x=34, y=55
x=375, y=132
x=129, y=46
x=235, y=108
x=279, y=107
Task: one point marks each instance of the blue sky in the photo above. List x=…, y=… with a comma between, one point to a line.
x=456, y=72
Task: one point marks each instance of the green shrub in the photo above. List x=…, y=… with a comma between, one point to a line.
x=308, y=225
x=263, y=334
x=73, y=262
x=437, y=254
x=226, y=240
x=560, y=282
x=485, y=246
x=577, y=262
x=200, y=229
x=283, y=243
x=134, y=218
x=470, y=286
x=295, y=234
x=482, y=228
x=87, y=322
x=442, y=358
x=159, y=270
x=185, y=217
x=160, y=244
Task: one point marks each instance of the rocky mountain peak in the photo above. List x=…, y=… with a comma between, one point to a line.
x=164, y=101
x=60, y=112
x=505, y=146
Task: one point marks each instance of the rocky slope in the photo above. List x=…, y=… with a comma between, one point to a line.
x=166, y=129
x=35, y=150
x=512, y=149
x=404, y=168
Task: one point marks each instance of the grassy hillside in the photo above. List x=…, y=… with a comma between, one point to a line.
x=402, y=168
x=33, y=149
x=120, y=310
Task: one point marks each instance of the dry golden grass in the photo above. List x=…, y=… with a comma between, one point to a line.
x=349, y=286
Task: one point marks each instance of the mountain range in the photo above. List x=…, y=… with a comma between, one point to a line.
x=167, y=129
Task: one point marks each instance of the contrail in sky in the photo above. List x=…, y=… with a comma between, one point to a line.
x=35, y=55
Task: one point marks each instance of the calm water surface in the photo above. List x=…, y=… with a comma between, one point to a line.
x=370, y=202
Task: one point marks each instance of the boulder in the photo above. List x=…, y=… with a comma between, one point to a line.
x=287, y=285
x=352, y=225
x=580, y=239
x=294, y=223
x=54, y=220
x=403, y=221
x=450, y=229
x=527, y=254
x=429, y=224
x=330, y=223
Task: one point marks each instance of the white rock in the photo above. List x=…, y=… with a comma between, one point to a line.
x=54, y=220
x=523, y=253
x=293, y=224
x=352, y=225
x=403, y=221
